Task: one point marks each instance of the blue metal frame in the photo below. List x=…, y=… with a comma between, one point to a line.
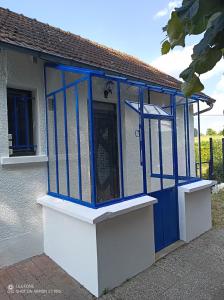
x=120, y=139
x=199, y=140
x=47, y=135
x=87, y=77
x=91, y=141
x=188, y=139
x=66, y=132
x=27, y=145
x=78, y=140
x=56, y=143
x=142, y=139
x=160, y=155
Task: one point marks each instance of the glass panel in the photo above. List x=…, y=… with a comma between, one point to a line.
x=53, y=80
x=70, y=77
x=154, y=184
x=72, y=143
x=62, y=167
x=168, y=183
x=106, y=151
x=148, y=108
x=181, y=141
x=191, y=141
x=84, y=140
x=133, y=179
x=154, y=138
x=167, y=147
x=51, y=146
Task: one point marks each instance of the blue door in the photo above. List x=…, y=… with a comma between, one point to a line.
x=166, y=220
x=163, y=185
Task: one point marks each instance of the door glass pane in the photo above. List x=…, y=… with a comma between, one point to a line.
x=133, y=174
x=167, y=147
x=106, y=151
x=181, y=141
x=154, y=138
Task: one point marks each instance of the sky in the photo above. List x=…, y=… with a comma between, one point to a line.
x=134, y=27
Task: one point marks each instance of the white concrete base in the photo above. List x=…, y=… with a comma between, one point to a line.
x=100, y=252
x=194, y=202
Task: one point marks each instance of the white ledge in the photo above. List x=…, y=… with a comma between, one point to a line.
x=23, y=159
x=197, y=186
x=91, y=215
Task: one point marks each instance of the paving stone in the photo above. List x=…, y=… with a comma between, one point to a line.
x=194, y=271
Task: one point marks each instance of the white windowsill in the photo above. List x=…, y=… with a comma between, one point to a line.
x=197, y=186
x=23, y=160
x=91, y=215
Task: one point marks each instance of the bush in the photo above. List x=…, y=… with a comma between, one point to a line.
x=217, y=172
x=205, y=157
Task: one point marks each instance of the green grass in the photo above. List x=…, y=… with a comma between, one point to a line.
x=218, y=209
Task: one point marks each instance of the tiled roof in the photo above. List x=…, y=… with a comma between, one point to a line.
x=18, y=30
x=22, y=31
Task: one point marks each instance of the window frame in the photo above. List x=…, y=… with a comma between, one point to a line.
x=17, y=100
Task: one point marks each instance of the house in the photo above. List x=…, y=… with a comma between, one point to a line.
x=97, y=156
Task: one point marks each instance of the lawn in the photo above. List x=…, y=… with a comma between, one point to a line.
x=218, y=209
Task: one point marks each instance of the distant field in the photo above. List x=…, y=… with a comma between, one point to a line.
x=205, y=155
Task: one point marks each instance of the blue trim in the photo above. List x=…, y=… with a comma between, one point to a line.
x=47, y=134
x=191, y=180
x=73, y=69
x=185, y=140
x=15, y=122
x=56, y=143
x=150, y=116
x=27, y=122
x=156, y=88
x=65, y=87
x=66, y=133
x=150, y=147
x=175, y=149
x=118, y=200
x=160, y=154
x=120, y=138
x=91, y=142
x=78, y=141
x=188, y=139
x=97, y=205
x=70, y=199
x=132, y=107
x=142, y=134
x=199, y=140
x=157, y=117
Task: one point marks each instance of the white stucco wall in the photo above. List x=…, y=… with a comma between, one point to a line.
x=20, y=185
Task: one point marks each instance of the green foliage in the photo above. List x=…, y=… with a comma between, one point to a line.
x=210, y=132
x=205, y=156
x=192, y=18
x=221, y=132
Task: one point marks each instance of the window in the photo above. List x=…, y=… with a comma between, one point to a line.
x=20, y=122
x=151, y=109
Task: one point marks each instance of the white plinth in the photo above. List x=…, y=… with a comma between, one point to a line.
x=194, y=202
x=100, y=248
